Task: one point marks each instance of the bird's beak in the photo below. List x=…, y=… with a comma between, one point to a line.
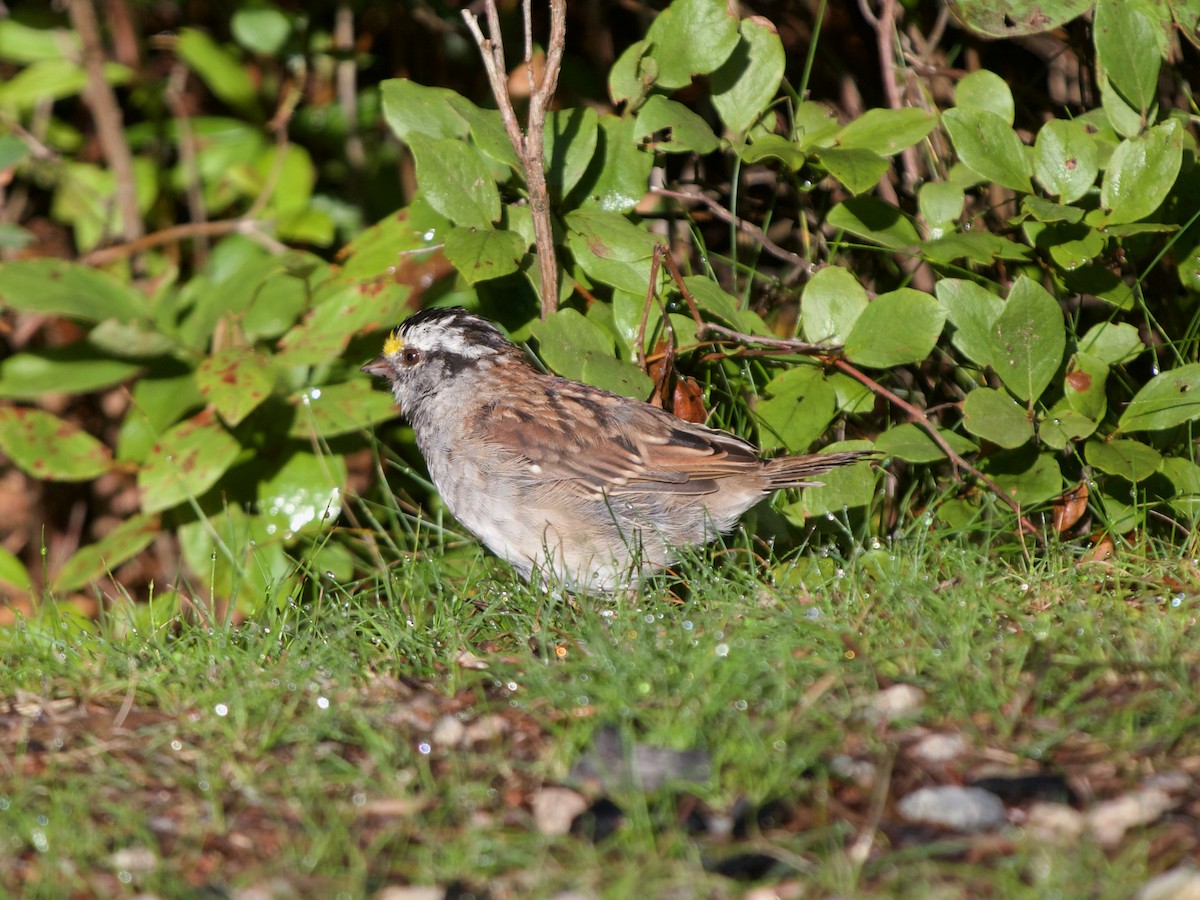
x=378, y=366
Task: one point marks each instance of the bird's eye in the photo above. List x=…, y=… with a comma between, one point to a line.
x=411, y=357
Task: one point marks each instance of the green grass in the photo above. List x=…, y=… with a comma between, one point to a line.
x=298, y=746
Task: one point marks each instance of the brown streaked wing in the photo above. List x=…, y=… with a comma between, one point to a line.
x=617, y=445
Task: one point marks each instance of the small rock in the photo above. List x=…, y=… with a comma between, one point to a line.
x=1110, y=820
x=484, y=729
x=411, y=892
x=1182, y=883
x=555, y=808
x=896, y=702
x=134, y=859
x=1054, y=823
x=448, y=732
x=860, y=772
x=949, y=806
x=936, y=749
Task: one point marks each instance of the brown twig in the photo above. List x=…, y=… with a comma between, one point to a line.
x=530, y=144
x=100, y=99
x=829, y=356
x=347, y=87
x=749, y=228
x=248, y=227
x=194, y=191
x=926, y=424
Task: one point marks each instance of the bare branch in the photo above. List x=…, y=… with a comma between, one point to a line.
x=695, y=197
x=830, y=356
x=530, y=144
x=110, y=126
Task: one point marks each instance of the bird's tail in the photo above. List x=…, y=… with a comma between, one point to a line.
x=797, y=471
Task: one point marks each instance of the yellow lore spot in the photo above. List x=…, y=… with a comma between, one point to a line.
x=394, y=344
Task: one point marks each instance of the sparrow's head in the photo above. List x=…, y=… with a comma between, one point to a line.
x=438, y=348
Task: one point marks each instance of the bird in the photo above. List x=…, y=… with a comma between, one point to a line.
x=574, y=486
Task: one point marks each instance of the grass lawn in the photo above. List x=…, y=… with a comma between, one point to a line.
x=442, y=725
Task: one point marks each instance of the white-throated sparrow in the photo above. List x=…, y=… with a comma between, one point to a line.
x=564, y=479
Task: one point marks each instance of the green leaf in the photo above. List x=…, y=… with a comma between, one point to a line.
x=832, y=301
x=885, y=132
x=455, y=180
x=1127, y=49
x=1028, y=339
x=347, y=311
x=304, y=495
x=83, y=198
x=743, y=88
x=375, y=252
x=55, y=287
x=130, y=341
x=53, y=79
x=632, y=74
x=225, y=76
x=1168, y=399
x=1184, y=476
x=263, y=29
x=1069, y=246
x=1048, y=211
x=941, y=203
x=687, y=132
x=1065, y=159
x=611, y=249
x=158, y=402
x=96, y=560
x=1101, y=282
x=1084, y=386
x=1013, y=18
x=483, y=253
x=1142, y=172
x=691, y=37
x=411, y=109
x=1028, y=477
x=719, y=304
x=993, y=416
x=813, y=125
x=1131, y=460
x=189, y=459
x=912, y=443
x=333, y=409
x=989, y=146
x=571, y=137
x=858, y=170
x=971, y=310
x=1114, y=343
x=1062, y=426
x=1120, y=116
x=874, y=220
x=12, y=572
x=847, y=487
x=853, y=397
x=576, y=347
x=623, y=172
x=73, y=369
x=981, y=247
x=50, y=448
x=798, y=407
x=896, y=328
x=235, y=381
x=985, y=90
x=21, y=43
x=773, y=146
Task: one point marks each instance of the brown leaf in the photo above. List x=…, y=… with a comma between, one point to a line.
x=1102, y=550
x=1070, y=507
